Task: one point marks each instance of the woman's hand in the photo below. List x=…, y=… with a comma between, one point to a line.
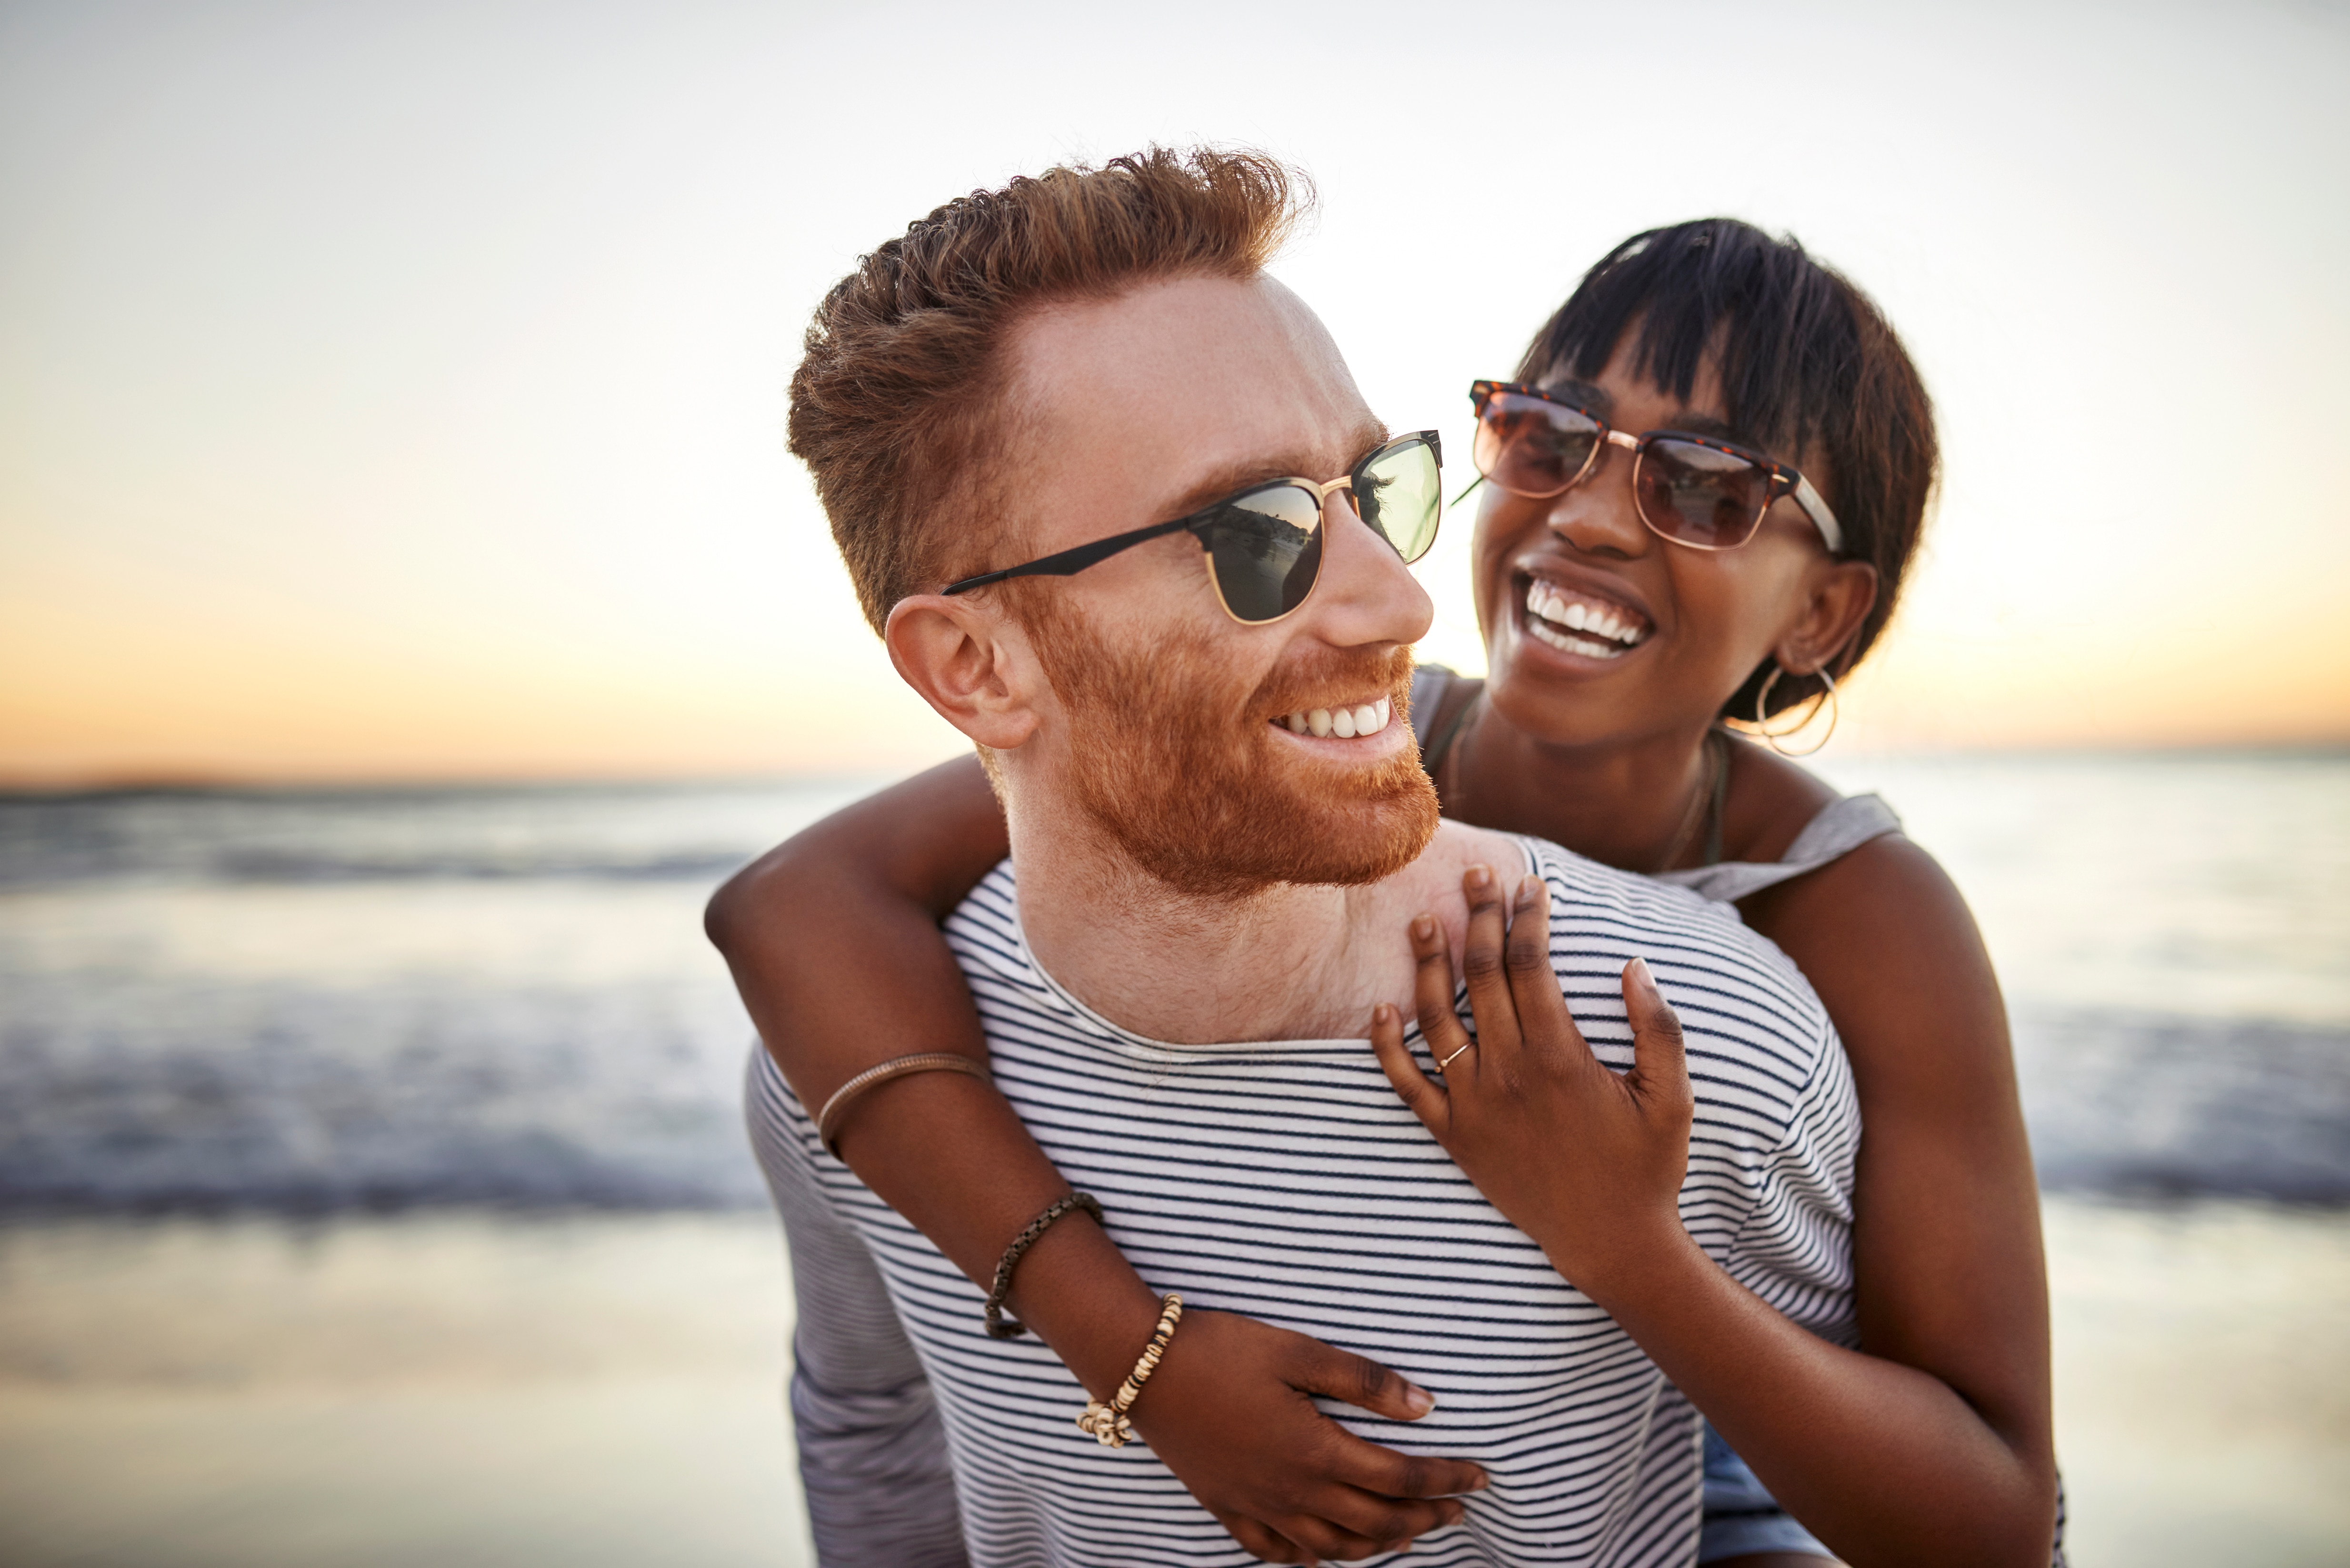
x=1587, y=1161
x=1231, y=1412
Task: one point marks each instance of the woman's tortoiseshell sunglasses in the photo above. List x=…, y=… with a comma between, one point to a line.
x=1690, y=489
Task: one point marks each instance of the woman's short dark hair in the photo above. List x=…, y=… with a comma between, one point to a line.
x=1808, y=364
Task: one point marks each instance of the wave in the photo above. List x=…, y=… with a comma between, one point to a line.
x=418, y=1092
x=627, y=1097
x=2155, y=1106
x=668, y=833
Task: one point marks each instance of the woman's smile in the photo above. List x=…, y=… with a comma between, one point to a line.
x=1562, y=612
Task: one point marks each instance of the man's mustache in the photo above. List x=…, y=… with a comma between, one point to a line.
x=1332, y=675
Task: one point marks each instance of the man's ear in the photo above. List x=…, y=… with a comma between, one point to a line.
x=1838, y=596
x=969, y=661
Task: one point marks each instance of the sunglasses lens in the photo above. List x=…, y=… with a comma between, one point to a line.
x=1266, y=549
x=1532, y=447
x=1399, y=492
x=1698, y=496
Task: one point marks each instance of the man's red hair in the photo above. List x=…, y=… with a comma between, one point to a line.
x=898, y=406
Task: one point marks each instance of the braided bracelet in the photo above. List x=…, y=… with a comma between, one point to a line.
x=827, y=1121
x=1107, y=1424
x=998, y=1326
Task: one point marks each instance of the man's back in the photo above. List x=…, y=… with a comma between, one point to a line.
x=1284, y=1180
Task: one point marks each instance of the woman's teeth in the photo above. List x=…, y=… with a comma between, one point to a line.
x=1553, y=617
x=1366, y=719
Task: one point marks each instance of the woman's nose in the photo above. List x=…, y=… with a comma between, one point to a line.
x=1599, y=515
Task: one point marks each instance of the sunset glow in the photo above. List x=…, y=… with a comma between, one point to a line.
x=399, y=393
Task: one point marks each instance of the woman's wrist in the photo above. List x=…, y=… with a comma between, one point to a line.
x=1629, y=1264
x=1077, y=1292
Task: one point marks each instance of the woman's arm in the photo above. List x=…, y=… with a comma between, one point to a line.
x=1888, y=1460
x=833, y=940
x=1947, y=1259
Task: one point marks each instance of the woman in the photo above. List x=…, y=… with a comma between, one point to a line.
x=1634, y=591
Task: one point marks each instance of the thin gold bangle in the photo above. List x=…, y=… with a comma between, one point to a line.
x=1107, y=1424
x=827, y=1121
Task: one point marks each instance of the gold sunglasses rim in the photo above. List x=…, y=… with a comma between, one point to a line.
x=1320, y=490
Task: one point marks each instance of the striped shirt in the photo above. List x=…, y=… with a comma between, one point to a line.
x=1285, y=1180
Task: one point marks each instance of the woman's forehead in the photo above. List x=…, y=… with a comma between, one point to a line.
x=1629, y=376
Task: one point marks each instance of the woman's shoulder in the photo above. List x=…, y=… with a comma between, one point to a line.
x=1769, y=802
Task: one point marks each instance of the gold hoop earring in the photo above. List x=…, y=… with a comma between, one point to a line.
x=1834, y=707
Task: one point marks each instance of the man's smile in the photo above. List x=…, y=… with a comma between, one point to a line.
x=1344, y=721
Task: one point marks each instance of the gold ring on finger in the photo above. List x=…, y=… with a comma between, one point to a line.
x=1447, y=1060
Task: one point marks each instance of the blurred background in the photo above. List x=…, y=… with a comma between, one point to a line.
x=409, y=612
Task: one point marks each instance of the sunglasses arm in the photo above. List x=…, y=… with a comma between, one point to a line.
x=1822, y=518
x=1068, y=562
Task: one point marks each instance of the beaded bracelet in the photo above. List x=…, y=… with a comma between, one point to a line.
x=1107, y=1424
x=998, y=1326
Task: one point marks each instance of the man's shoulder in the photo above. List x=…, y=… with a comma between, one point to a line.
x=1453, y=848
x=1602, y=915
x=1642, y=901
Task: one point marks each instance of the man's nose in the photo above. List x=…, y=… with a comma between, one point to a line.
x=1367, y=592
x=1599, y=515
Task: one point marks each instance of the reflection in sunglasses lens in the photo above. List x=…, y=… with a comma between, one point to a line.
x=1399, y=494
x=1701, y=496
x=1266, y=549
x=1532, y=448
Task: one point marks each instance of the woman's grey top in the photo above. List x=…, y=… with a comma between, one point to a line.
x=1843, y=825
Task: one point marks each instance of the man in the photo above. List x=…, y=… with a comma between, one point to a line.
x=1221, y=834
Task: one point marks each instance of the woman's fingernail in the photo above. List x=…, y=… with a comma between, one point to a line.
x=1640, y=975
x=1529, y=890
x=1479, y=877
x=1423, y=927
x=1418, y=1400
x=1382, y=1015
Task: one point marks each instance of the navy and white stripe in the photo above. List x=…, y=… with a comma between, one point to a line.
x=1285, y=1180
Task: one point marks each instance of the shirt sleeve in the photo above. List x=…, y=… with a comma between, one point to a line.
x=872, y=1449
x=1795, y=1250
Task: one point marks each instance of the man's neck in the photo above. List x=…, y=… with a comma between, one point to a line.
x=1288, y=962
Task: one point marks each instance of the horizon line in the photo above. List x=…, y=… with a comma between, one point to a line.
x=190, y=781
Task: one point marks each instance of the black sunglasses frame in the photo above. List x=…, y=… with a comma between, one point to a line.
x=1068, y=562
x=1786, y=480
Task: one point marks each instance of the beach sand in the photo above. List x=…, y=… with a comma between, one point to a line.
x=477, y=1388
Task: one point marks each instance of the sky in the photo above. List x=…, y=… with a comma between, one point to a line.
x=395, y=390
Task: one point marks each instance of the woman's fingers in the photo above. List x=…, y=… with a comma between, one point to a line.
x=1261, y=1541
x=1383, y=1473
x=1543, y=1015
x=1432, y=990
x=1484, y=964
x=1346, y=1524
x=1334, y=1374
x=1659, y=1076
x=1326, y=1543
x=1428, y=1100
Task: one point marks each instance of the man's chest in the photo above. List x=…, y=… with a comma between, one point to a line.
x=1291, y=1187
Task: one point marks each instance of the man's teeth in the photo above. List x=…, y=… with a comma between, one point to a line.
x=1552, y=614
x=1365, y=719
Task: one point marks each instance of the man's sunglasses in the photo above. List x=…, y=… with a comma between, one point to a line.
x=1263, y=543
x=1689, y=489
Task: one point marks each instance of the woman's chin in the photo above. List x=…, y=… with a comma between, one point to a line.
x=1583, y=704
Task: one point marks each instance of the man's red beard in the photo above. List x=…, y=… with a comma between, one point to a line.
x=1186, y=775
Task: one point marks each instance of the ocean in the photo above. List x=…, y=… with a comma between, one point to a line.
x=320, y=1002
x=373, y=1191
